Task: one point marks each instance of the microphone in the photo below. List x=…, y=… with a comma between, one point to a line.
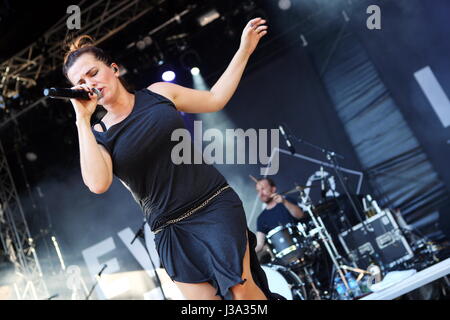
x=103, y=269
x=286, y=138
x=67, y=93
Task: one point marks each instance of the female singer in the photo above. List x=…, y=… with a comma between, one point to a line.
x=200, y=228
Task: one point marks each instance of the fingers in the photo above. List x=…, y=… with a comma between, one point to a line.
x=257, y=25
x=278, y=198
x=256, y=21
x=85, y=87
x=261, y=29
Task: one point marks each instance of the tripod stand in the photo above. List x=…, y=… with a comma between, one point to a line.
x=324, y=236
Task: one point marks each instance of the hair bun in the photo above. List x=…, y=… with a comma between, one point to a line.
x=77, y=43
x=81, y=42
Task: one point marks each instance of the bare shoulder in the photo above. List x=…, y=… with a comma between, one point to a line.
x=165, y=89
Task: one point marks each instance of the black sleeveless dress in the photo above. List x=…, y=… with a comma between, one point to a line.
x=209, y=245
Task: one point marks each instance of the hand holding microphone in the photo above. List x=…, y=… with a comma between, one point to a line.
x=83, y=99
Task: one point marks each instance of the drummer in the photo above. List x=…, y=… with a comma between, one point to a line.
x=278, y=211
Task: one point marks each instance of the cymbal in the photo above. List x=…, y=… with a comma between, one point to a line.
x=297, y=189
x=327, y=206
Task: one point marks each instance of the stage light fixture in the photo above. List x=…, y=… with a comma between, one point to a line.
x=31, y=156
x=190, y=59
x=140, y=45
x=148, y=40
x=208, y=17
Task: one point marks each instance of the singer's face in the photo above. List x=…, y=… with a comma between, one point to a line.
x=95, y=74
x=264, y=191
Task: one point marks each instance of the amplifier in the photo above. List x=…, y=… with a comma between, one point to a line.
x=377, y=239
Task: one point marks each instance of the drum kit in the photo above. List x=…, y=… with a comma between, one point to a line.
x=295, y=250
x=300, y=253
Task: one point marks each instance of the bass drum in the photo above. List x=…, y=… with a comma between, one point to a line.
x=284, y=282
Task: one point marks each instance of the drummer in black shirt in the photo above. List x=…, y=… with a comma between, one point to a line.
x=278, y=211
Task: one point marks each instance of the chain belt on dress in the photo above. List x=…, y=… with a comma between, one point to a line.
x=192, y=211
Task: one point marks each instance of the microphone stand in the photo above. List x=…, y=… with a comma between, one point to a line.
x=140, y=233
x=53, y=296
x=331, y=157
x=96, y=282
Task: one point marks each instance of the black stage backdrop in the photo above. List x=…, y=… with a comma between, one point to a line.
x=414, y=35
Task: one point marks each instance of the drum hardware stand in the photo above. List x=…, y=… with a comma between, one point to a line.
x=323, y=236
x=311, y=282
x=331, y=157
x=360, y=272
x=97, y=277
x=300, y=289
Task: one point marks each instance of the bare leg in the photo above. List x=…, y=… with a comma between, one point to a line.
x=248, y=290
x=198, y=291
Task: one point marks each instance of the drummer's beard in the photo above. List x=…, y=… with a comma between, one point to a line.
x=267, y=200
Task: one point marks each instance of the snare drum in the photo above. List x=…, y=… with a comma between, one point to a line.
x=287, y=243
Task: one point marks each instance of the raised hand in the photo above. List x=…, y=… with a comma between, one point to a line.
x=253, y=32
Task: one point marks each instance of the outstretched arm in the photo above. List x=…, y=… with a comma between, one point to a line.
x=199, y=101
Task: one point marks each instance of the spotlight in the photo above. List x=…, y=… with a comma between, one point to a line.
x=195, y=71
x=284, y=4
x=168, y=76
x=144, y=43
